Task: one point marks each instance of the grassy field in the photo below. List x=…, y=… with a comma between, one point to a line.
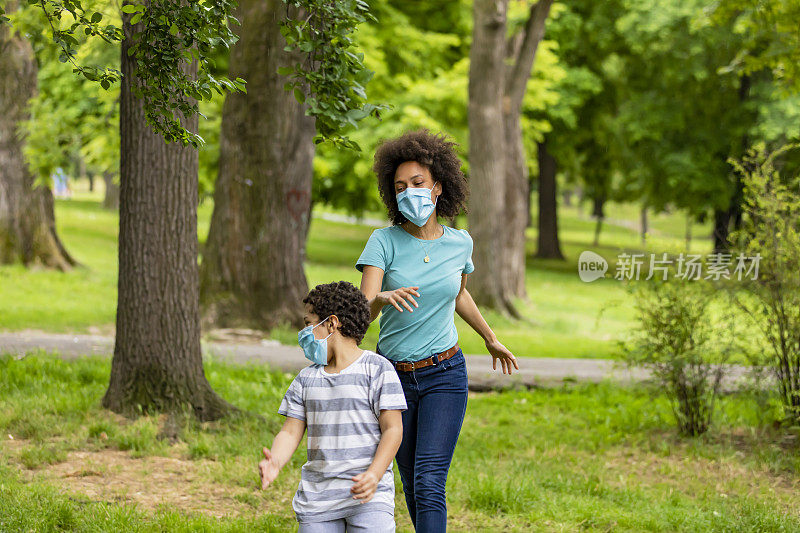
x=584, y=457
x=564, y=317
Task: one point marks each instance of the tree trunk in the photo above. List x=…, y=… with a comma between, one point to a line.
x=27, y=218
x=688, y=236
x=599, y=214
x=486, y=146
x=111, y=198
x=157, y=364
x=722, y=219
x=516, y=207
x=252, y=271
x=643, y=224
x=498, y=176
x=548, y=243
x=522, y=50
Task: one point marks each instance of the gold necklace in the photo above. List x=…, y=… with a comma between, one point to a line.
x=427, y=257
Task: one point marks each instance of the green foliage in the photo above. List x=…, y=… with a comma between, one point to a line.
x=70, y=117
x=422, y=72
x=772, y=42
x=171, y=33
x=771, y=231
x=681, y=341
x=332, y=80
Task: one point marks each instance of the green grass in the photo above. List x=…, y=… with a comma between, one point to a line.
x=593, y=457
x=563, y=316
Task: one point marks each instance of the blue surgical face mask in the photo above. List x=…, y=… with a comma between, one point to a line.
x=416, y=205
x=316, y=350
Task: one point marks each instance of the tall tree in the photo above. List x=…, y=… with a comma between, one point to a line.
x=166, y=64
x=548, y=245
x=157, y=361
x=27, y=219
x=521, y=52
x=252, y=270
x=496, y=90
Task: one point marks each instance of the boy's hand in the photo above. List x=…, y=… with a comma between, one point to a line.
x=365, y=486
x=268, y=468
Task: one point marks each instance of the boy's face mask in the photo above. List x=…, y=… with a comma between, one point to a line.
x=416, y=205
x=316, y=350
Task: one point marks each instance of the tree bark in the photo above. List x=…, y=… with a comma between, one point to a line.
x=722, y=221
x=252, y=270
x=599, y=214
x=498, y=177
x=643, y=224
x=157, y=363
x=517, y=187
x=549, y=246
x=111, y=197
x=486, y=144
x=27, y=218
x=688, y=236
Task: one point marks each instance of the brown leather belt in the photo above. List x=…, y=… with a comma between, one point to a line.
x=414, y=365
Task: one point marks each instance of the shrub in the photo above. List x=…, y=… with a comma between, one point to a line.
x=678, y=339
x=771, y=231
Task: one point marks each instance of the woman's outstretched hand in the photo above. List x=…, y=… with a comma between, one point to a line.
x=268, y=468
x=498, y=351
x=399, y=296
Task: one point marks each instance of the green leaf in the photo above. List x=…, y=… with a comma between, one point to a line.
x=299, y=96
x=97, y=17
x=129, y=8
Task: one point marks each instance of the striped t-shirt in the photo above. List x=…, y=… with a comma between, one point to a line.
x=341, y=413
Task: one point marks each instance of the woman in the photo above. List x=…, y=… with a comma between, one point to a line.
x=414, y=274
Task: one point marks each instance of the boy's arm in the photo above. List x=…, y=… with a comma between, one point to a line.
x=366, y=483
x=287, y=440
x=391, y=421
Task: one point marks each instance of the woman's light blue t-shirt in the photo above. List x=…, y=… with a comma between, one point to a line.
x=430, y=328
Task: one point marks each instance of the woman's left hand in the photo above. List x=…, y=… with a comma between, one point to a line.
x=498, y=351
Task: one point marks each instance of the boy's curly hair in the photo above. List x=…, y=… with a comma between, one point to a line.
x=434, y=152
x=343, y=299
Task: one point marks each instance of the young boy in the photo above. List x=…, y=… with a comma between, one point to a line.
x=351, y=401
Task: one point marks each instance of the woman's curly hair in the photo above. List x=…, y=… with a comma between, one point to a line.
x=343, y=299
x=434, y=152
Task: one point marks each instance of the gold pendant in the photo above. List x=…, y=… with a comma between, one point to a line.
x=427, y=259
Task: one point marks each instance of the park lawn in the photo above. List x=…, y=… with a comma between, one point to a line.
x=594, y=457
x=564, y=317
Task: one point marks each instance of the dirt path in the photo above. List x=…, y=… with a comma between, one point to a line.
x=533, y=371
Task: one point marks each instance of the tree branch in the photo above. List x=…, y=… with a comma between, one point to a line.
x=517, y=80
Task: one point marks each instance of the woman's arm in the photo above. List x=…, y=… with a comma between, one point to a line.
x=371, y=281
x=391, y=422
x=468, y=310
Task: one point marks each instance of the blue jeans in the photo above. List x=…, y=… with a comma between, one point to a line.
x=436, y=396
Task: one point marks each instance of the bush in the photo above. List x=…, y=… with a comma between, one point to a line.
x=684, y=347
x=771, y=231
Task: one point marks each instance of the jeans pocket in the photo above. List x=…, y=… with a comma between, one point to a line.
x=456, y=361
